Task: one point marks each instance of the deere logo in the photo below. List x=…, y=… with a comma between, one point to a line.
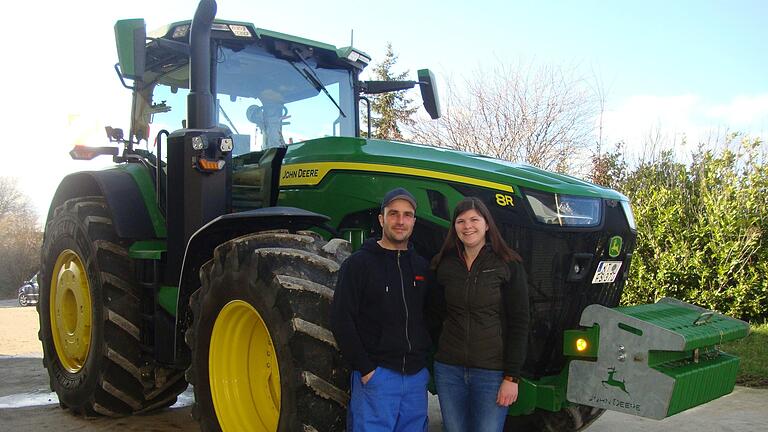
x=614, y=249
x=613, y=382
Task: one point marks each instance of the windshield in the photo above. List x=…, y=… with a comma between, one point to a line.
x=268, y=102
x=264, y=101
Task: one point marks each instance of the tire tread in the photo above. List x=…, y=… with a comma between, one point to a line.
x=294, y=272
x=124, y=384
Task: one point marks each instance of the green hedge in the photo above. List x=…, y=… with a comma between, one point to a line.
x=702, y=228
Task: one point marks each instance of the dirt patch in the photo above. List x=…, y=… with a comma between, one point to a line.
x=752, y=381
x=18, y=332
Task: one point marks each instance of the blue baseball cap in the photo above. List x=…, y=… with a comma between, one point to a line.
x=398, y=193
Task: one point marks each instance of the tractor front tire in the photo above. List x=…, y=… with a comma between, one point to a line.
x=263, y=357
x=572, y=418
x=90, y=318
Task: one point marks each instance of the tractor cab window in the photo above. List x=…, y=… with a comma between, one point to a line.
x=169, y=110
x=263, y=100
x=268, y=102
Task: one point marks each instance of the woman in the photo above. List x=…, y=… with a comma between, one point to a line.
x=484, y=310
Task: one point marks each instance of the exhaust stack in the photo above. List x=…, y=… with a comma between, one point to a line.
x=200, y=103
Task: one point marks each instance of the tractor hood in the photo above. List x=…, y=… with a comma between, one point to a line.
x=308, y=162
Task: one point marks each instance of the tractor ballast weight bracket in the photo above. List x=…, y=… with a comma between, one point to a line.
x=656, y=360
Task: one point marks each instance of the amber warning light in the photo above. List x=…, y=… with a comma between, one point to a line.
x=581, y=345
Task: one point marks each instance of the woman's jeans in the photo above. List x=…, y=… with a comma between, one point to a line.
x=468, y=398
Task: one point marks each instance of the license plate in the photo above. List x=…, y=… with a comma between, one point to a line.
x=606, y=272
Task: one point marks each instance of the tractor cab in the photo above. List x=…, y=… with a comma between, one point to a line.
x=270, y=89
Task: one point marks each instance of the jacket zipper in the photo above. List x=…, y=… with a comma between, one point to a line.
x=469, y=286
x=402, y=290
x=469, y=319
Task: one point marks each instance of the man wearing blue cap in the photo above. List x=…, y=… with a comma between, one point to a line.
x=377, y=317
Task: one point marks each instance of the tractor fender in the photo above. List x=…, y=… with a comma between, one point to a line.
x=227, y=227
x=124, y=200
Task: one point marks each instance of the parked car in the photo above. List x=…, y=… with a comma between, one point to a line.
x=29, y=292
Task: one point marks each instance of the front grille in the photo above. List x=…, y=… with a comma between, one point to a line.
x=555, y=303
x=548, y=252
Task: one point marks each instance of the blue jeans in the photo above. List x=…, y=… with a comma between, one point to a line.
x=468, y=398
x=389, y=402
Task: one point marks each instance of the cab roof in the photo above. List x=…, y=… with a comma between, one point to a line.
x=245, y=32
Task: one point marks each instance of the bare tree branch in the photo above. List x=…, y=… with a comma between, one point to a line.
x=543, y=116
x=20, y=237
x=12, y=200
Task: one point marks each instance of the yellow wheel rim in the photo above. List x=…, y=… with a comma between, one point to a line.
x=70, y=309
x=243, y=370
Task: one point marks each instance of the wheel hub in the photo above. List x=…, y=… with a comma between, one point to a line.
x=243, y=370
x=70, y=309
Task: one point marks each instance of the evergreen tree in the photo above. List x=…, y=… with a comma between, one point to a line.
x=390, y=110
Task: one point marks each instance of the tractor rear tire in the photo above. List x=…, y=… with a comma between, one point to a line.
x=262, y=356
x=570, y=419
x=90, y=318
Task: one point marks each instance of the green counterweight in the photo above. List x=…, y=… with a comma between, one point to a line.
x=656, y=360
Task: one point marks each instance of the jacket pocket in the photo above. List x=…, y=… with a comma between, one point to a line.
x=488, y=290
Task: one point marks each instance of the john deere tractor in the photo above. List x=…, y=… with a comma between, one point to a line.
x=207, y=255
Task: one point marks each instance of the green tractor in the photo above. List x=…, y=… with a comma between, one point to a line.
x=195, y=260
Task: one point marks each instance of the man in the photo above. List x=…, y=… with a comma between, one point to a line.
x=378, y=321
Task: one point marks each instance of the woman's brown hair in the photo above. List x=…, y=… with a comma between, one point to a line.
x=452, y=244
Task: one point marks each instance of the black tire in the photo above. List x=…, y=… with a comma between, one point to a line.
x=288, y=280
x=570, y=419
x=112, y=380
x=23, y=300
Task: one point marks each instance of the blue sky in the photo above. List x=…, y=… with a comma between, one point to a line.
x=683, y=67
x=708, y=47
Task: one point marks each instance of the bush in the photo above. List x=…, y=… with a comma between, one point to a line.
x=702, y=229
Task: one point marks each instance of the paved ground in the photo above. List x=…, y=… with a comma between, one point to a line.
x=744, y=410
x=26, y=403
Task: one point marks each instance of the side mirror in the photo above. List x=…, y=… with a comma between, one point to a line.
x=426, y=83
x=429, y=93
x=131, y=40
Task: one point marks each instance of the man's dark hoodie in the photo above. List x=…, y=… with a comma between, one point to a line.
x=377, y=315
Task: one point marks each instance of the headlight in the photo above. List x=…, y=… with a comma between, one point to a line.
x=629, y=215
x=564, y=210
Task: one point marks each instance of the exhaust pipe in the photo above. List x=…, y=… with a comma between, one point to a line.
x=200, y=103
